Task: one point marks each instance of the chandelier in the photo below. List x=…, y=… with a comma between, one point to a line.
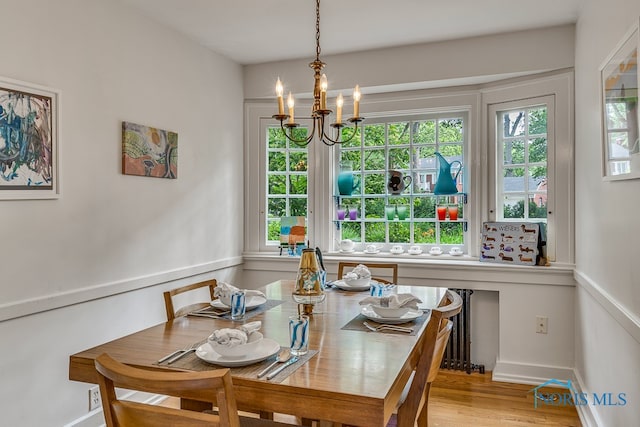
x=319, y=112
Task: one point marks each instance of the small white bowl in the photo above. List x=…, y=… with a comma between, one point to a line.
x=239, y=350
x=357, y=283
x=390, y=313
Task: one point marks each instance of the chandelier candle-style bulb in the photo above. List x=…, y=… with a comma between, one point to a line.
x=279, y=92
x=290, y=104
x=339, y=104
x=323, y=92
x=356, y=102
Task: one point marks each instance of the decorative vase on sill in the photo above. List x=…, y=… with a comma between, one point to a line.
x=309, y=289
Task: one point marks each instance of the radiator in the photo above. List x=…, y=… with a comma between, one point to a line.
x=457, y=355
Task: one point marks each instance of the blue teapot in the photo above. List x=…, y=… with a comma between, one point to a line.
x=445, y=183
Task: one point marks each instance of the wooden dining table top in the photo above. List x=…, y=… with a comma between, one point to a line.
x=355, y=378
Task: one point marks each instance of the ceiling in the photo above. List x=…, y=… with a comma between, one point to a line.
x=256, y=31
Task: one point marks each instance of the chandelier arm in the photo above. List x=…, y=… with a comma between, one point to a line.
x=299, y=142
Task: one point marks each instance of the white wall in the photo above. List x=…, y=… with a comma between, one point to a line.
x=110, y=233
x=607, y=246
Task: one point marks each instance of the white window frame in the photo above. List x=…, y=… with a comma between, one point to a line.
x=426, y=115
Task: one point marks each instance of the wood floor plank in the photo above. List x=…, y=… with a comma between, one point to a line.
x=459, y=399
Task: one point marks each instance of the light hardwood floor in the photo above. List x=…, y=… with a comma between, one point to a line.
x=459, y=399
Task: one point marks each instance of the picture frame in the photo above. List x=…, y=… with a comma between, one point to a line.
x=149, y=151
x=29, y=141
x=619, y=83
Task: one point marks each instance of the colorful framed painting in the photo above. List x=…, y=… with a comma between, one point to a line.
x=28, y=141
x=149, y=151
x=620, y=114
x=292, y=230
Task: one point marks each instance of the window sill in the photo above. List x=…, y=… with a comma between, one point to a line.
x=425, y=268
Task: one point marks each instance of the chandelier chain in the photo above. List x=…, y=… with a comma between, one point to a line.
x=317, y=30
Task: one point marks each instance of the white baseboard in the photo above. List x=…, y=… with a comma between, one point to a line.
x=96, y=419
x=520, y=373
x=588, y=415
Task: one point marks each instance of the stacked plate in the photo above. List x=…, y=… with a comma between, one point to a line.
x=392, y=318
x=252, y=302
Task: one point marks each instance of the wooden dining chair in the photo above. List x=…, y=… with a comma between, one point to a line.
x=392, y=270
x=172, y=313
x=413, y=408
x=215, y=387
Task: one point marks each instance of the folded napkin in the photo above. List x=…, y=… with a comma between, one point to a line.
x=229, y=337
x=224, y=290
x=359, y=272
x=393, y=301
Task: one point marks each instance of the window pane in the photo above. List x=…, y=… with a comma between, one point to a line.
x=513, y=124
x=353, y=156
x=538, y=121
x=399, y=232
x=450, y=130
x=298, y=184
x=374, y=135
x=374, y=183
x=538, y=150
x=277, y=207
x=425, y=157
x=298, y=161
x=374, y=160
x=277, y=184
x=424, y=132
x=513, y=207
x=399, y=133
x=374, y=208
x=423, y=182
x=298, y=207
x=618, y=145
x=451, y=233
x=424, y=232
x=514, y=151
x=351, y=230
x=374, y=232
x=273, y=229
x=514, y=180
x=424, y=207
x=277, y=161
x=398, y=158
x=346, y=135
x=275, y=138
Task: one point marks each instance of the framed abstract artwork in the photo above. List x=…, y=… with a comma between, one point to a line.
x=619, y=80
x=149, y=151
x=28, y=141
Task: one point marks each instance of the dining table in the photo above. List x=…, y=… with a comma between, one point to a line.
x=351, y=375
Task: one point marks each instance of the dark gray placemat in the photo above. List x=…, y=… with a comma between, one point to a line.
x=192, y=362
x=357, y=324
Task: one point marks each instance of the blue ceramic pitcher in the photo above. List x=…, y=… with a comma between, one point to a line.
x=446, y=184
x=347, y=182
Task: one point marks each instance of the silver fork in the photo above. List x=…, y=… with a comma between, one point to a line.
x=383, y=327
x=170, y=355
x=185, y=351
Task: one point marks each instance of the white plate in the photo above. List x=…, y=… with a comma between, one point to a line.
x=251, y=302
x=415, y=252
x=435, y=253
x=266, y=349
x=341, y=284
x=455, y=253
x=396, y=252
x=409, y=316
x=371, y=252
x=347, y=252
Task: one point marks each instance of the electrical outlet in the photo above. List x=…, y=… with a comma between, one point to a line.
x=541, y=324
x=94, y=398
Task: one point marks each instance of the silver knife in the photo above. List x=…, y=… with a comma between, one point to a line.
x=278, y=370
